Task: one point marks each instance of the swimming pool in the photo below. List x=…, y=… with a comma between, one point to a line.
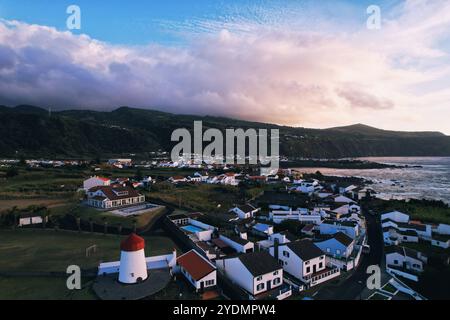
x=191, y=228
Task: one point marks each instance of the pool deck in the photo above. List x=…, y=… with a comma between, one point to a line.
x=120, y=212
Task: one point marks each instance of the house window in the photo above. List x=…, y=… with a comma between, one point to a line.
x=275, y=273
x=321, y=265
x=328, y=250
x=321, y=258
x=276, y=281
x=307, y=262
x=259, y=278
x=286, y=253
x=308, y=269
x=260, y=287
x=395, y=261
x=209, y=283
x=338, y=251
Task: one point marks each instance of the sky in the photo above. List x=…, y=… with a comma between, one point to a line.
x=299, y=63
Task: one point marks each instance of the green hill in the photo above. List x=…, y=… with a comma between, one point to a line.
x=33, y=131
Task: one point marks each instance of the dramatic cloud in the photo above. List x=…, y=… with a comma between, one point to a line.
x=386, y=78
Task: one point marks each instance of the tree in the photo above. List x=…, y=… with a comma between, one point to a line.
x=12, y=172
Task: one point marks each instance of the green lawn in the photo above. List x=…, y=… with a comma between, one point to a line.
x=98, y=216
x=425, y=211
x=377, y=296
x=43, y=251
x=43, y=288
x=389, y=288
x=208, y=198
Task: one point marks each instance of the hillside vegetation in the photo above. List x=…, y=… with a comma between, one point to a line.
x=32, y=131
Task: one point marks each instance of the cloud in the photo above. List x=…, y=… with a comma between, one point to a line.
x=275, y=75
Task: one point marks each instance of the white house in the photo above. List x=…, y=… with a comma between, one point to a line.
x=262, y=229
x=280, y=238
x=245, y=211
x=198, y=231
x=282, y=213
x=95, y=181
x=201, y=273
x=177, y=179
x=394, y=236
x=342, y=199
x=347, y=208
x=306, y=186
x=305, y=261
x=396, y=216
x=337, y=246
x=238, y=244
x=256, y=272
x=350, y=228
x=180, y=219
x=109, y=197
x=120, y=163
x=405, y=259
x=441, y=240
x=443, y=229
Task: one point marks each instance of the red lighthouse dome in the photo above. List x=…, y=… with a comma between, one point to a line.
x=132, y=243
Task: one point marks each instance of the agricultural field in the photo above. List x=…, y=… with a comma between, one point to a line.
x=208, y=198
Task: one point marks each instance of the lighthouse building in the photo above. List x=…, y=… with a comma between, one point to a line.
x=133, y=266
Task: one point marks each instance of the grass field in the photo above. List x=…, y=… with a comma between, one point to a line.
x=48, y=250
x=86, y=213
x=208, y=198
x=43, y=288
x=418, y=210
x=43, y=251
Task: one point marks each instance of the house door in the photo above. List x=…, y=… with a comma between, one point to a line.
x=314, y=268
x=202, y=286
x=269, y=285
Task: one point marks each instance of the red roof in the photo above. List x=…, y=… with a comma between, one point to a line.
x=104, y=179
x=195, y=265
x=132, y=243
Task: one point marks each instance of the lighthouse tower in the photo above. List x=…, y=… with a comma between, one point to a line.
x=133, y=268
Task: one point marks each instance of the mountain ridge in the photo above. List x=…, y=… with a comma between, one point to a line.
x=33, y=131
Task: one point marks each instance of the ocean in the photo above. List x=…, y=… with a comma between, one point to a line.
x=431, y=181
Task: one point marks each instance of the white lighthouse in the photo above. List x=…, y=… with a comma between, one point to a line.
x=133, y=267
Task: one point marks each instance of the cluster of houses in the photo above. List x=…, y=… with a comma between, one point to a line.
x=232, y=178
x=398, y=229
x=264, y=260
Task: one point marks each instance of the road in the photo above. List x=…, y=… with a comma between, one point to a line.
x=352, y=287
